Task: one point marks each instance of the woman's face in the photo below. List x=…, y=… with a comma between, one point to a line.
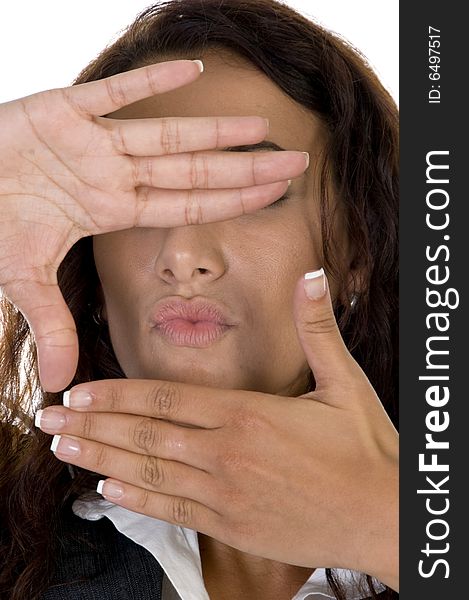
x=236, y=278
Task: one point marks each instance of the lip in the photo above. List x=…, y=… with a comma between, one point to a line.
x=196, y=323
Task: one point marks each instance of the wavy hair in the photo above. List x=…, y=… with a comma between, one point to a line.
x=327, y=76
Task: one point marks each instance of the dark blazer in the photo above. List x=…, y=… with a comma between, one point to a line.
x=98, y=562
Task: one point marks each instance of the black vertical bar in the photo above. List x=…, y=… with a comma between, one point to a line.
x=434, y=271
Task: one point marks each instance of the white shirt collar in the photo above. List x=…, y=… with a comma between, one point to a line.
x=177, y=551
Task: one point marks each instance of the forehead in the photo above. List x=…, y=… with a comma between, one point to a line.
x=232, y=86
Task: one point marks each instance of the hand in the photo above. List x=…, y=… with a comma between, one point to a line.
x=310, y=481
x=67, y=173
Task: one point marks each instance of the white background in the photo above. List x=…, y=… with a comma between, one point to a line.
x=45, y=43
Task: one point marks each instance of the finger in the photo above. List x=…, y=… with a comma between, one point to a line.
x=325, y=350
x=161, y=136
x=174, y=208
x=180, y=402
x=202, y=170
x=53, y=328
x=152, y=473
x=137, y=434
x=111, y=93
x=172, y=509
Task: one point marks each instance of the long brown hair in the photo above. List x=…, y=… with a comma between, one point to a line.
x=328, y=77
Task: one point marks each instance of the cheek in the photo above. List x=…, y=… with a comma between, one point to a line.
x=274, y=256
x=124, y=262
x=273, y=260
x=114, y=272
x=126, y=327
x=115, y=259
x=123, y=255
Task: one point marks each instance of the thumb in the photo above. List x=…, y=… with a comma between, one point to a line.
x=325, y=350
x=53, y=327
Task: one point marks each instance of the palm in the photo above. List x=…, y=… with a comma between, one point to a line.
x=61, y=180
x=68, y=167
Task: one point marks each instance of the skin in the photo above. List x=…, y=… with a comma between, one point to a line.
x=301, y=481
x=252, y=263
x=261, y=472
x=139, y=267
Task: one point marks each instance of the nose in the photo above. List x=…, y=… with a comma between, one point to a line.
x=190, y=255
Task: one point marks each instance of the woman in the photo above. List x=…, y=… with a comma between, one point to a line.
x=122, y=289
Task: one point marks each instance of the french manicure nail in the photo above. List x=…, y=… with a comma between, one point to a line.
x=315, y=284
x=37, y=418
x=51, y=420
x=307, y=158
x=64, y=445
x=109, y=489
x=77, y=398
x=200, y=64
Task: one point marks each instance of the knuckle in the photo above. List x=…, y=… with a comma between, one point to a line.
x=217, y=141
x=145, y=171
x=246, y=420
x=151, y=471
x=321, y=324
x=70, y=99
x=242, y=202
x=153, y=82
x=115, y=398
x=198, y=170
x=147, y=435
x=88, y=426
x=135, y=170
x=164, y=400
x=115, y=91
x=100, y=457
x=142, y=198
x=255, y=160
x=193, y=214
x=170, y=140
x=231, y=459
x=118, y=140
x=181, y=511
x=143, y=500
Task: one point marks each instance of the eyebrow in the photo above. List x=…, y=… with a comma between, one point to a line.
x=265, y=145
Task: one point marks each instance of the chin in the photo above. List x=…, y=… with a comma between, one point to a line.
x=195, y=375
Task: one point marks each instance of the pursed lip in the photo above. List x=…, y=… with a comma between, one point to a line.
x=195, y=322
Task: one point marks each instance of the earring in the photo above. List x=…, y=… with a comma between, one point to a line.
x=353, y=301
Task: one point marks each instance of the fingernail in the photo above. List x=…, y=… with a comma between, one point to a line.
x=201, y=65
x=315, y=284
x=267, y=122
x=109, y=489
x=307, y=158
x=289, y=182
x=64, y=445
x=77, y=398
x=51, y=420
